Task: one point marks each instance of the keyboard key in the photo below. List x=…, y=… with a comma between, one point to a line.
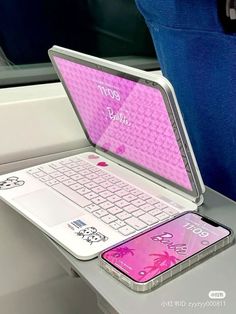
x=100, y=213
x=72, y=164
x=64, y=169
x=45, y=168
x=90, y=195
x=65, y=161
x=76, y=177
x=152, y=201
x=128, y=188
x=52, y=182
x=55, y=174
x=91, y=208
x=91, y=176
x=39, y=174
x=62, y=178
x=144, y=197
x=148, y=219
x=101, y=172
x=160, y=206
x=85, y=165
x=129, y=197
x=56, y=165
x=126, y=230
x=122, y=203
x=83, y=191
x=85, y=172
x=76, y=186
x=135, y=223
x=106, y=194
x=69, y=173
x=69, y=182
x=107, y=176
x=78, y=169
x=162, y=216
x=121, y=184
x=113, y=188
x=123, y=215
x=83, y=181
x=114, y=210
x=120, y=223
x=114, y=225
x=138, y=213
x=35, y=170
x=147, y=207
x=136, y=192
x=114, y=180
x=106, y=184
x=98, y=189
x=106, y=205
x=122, y=193
x=108, y=218
x=113, y=198
x=138, y=202
x=130, y=208
x=170, y=211
x=93, y=169
x=155, y=212
x=72, y=195
x=90, y=185
x=99, y=180
x=45, y=178
x=99, y=200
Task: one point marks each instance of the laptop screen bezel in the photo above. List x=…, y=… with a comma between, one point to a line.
x=147, y=82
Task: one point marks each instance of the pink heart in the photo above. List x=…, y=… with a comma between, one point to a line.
x=102, y=164
x=93, y=157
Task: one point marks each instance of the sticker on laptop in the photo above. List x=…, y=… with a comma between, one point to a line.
x=10, y=183
x=78, y=223
x=91, y=235
x=102, y=164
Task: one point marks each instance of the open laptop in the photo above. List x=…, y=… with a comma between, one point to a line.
x=138, y=171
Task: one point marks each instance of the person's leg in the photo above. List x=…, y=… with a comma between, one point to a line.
x=199, y=59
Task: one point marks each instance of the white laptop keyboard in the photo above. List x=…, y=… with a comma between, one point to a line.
x=116, y=202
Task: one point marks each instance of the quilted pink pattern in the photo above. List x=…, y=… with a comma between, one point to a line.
x=127, y=118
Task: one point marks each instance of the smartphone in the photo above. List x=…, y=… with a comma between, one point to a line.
x=151, y=258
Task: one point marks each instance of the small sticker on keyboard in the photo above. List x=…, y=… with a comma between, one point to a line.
x=78, y=223
x=91, y=235
x=102, y=164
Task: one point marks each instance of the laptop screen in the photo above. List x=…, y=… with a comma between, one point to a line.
x=127, y=118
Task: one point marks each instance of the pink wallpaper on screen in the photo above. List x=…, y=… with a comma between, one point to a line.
x=161, y=248
x=129, y=119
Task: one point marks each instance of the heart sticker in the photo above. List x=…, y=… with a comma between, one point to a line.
x=102, y=164
x=93, y=157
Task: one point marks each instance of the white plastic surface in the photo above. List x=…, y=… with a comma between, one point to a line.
x=35, y=121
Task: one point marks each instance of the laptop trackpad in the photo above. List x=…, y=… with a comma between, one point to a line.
x=48, y=207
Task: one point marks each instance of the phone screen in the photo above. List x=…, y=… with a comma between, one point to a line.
x=152, y=253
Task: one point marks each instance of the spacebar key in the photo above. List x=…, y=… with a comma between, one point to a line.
x=72, y=195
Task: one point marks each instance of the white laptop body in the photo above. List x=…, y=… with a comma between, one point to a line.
x=139, y=170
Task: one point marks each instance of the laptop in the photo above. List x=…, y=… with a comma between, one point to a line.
x=138, y=170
